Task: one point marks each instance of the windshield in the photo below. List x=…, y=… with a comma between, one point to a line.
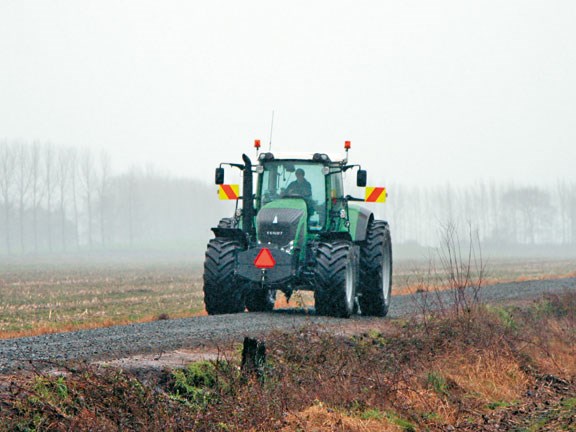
x=296, y=179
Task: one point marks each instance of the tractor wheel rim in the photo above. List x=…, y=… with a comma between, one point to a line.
x=349, y=284
x=386, y=278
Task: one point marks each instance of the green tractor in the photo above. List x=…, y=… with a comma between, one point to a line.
x=298, y=231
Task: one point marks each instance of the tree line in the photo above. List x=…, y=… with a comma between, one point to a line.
x=501, y=214
x=64, y=199
x=58, y=199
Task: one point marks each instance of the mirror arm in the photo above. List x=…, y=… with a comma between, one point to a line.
x=347, y=167
x=235, y=165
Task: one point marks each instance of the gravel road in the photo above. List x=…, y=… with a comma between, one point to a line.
x=194, y=333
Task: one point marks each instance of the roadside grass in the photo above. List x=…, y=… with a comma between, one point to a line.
x=471, y=371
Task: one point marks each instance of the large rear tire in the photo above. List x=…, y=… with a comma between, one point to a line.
x=222, y=293
x=260, y=300
x=376, y=270
x=336, y=279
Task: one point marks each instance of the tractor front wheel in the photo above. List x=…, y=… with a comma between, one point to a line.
x=336, y=278
x=222, y=294
x=376, y=270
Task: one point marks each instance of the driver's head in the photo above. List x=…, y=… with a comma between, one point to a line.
x=300, y=173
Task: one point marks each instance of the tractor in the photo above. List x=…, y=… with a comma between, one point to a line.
x=298, y=231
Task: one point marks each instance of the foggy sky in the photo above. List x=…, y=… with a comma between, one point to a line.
x=428, y=92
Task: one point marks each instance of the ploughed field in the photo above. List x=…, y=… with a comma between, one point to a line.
x=49, y=296
x=163, y=302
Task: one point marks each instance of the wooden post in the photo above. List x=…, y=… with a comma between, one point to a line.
x=253, y=356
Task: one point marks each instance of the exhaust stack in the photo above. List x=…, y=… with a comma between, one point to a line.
x=248, y=198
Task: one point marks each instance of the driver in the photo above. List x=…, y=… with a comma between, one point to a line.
x=300, y=186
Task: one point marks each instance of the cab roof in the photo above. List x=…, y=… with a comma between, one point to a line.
x=304, y=156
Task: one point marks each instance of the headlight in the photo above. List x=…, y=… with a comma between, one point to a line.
x=289, y=247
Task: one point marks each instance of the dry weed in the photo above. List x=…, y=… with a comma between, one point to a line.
x=488, y=375
x=318, y=418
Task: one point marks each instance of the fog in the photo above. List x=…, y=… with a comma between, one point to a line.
x=463, y=110
x=61, y=200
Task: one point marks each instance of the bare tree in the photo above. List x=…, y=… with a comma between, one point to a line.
x=87, y=177
x=7, y=168
x=564, y=198
x=131, y=202
x=73, y=176
x=102, y=191
x=49, y=185
x=572, y=206
x=62, y=177
x=36, y=188
x=23, y=177
x=531, y=208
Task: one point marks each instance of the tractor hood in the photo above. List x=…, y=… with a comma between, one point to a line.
x=282, y=221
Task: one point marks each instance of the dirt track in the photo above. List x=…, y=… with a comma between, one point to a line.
x=188, y=338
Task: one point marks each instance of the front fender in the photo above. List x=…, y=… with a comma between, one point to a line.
x=231, y=233
x=359, y=218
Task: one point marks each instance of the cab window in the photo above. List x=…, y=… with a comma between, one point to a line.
x=288, y=179
x=336, y=187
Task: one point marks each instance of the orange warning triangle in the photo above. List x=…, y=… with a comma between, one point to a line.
x=265, y=260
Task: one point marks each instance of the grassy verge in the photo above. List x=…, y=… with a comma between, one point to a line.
x=510, y=368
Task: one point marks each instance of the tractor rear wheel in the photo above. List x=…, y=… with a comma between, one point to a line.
x=336, y=278
x=376, y=270
x=260, y=300
x=222, y=293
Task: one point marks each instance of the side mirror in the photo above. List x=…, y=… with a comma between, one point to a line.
x=219, y=177
x=361, y=178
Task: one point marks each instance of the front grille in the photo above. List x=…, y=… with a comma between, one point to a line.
x=279, y=234
x=278, y=226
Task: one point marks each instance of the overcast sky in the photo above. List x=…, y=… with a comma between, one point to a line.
x=427, y=91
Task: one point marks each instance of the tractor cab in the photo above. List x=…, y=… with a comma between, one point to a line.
x=316, y=182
